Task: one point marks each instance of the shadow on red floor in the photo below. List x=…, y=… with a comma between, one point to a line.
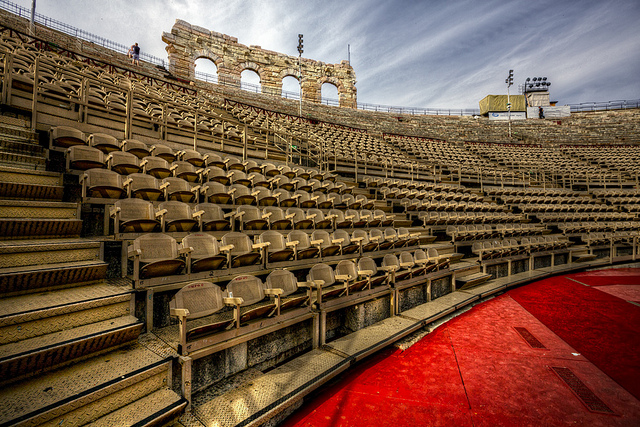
x=502, y=363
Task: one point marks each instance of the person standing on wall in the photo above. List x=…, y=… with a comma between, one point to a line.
x=540, y=113
x=135, y=54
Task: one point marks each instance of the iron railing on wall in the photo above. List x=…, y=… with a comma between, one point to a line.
x=76, y=32
x=212, y=78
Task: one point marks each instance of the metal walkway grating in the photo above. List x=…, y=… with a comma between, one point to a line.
x=584, y=393
x=529, y=338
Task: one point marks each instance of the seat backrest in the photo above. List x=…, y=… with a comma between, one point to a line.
x=301, y=237
x=342, y=234
x=361, y=233
x=182, y=167
x=347, y=267
x=123, y=158
x=367, y=263
x=390, y=234
x=275, y=238
x=176, y=184
x=204, y=245
x=323, y=272
x=214, y=159
x=420, y=255
x=142, y=181
x=390, y=260
x=211, y=188
x=156, y=247
x=154, y=162
x=103, y=178
x=299, y=214
x=163, y=151
x=136, y=147
x=132, y=209
x=338, y=213
x=85, y=153
x=318, y=213
x=277, y=213
x=354, y=213
x=251, y=213
x=322, y=235
x=407, y=257
x=176, y=210
x=200, y=298
x=211, y=211
x=247, y=287
x=240, y=241
x=282, y=279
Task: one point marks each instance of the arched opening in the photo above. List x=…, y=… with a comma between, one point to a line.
x=329, y=94
x=206, y=70
x=250, y=80
x=290, y=88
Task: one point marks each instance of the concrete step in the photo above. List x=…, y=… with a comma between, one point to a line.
x=22, y=253
x=28, y=316
x=45, y=352
x=23, y=209
x=30, y=184
x=88, y=390
x=158, y=408
x=35, y=278
x=38, y=219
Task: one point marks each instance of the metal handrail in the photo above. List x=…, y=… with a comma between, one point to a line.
x=24, y=12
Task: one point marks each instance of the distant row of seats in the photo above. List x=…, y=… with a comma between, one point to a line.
x=141, y=216
x=511, y=247
x=160, y=255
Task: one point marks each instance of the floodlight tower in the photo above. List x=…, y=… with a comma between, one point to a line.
x=509, y=82
x=300, y=46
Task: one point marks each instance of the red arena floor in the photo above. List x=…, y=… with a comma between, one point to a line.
x=561, y=351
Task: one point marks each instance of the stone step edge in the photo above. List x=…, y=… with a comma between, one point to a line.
x=35, y=245
x=138, y=412
x=95, y=392
x=71, y=307
x=38, y=204
x=11, y=169
x=27, y=269
x=80, y=335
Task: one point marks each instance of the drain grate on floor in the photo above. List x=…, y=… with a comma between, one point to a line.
x=584, y=393
x=529, y=338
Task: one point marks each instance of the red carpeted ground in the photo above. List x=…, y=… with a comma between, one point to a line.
x=478, y=370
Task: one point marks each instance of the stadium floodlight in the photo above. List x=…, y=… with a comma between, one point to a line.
x=509, y=82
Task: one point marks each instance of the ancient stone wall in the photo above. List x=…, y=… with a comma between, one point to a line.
x=186, y=43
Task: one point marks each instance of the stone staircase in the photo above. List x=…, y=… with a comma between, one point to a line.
x=69, y=350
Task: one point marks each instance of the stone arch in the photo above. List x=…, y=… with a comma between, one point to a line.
x=186, y=43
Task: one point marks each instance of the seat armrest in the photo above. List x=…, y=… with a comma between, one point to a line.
x=390, y=267
x=365, y=272
x=260, y=245
x=296, y=196
x=226, y=248
x=290, y=216
x=316, y=242
x=357, y=239
x=113, y=211
x=406, y=265
x=232, y=301
x=185, y=250
x=197, y=214
x=165, y=185
x=161, y=213
x=312, y=216
x=343, y=277
x=228, y=215
x=293, y=243
x=267, y=215
x=375, y=238
x=179, y=312
x=255, y=193
x=131, y=252
x=330, y=217
x=349, y=217
x=338, y=241
x=273, y=292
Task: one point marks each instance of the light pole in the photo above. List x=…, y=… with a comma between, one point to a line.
x=509, y=82
x=300, y=46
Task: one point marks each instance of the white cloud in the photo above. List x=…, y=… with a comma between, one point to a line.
x=424, y=54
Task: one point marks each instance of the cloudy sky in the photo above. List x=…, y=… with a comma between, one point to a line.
x=429, y=53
